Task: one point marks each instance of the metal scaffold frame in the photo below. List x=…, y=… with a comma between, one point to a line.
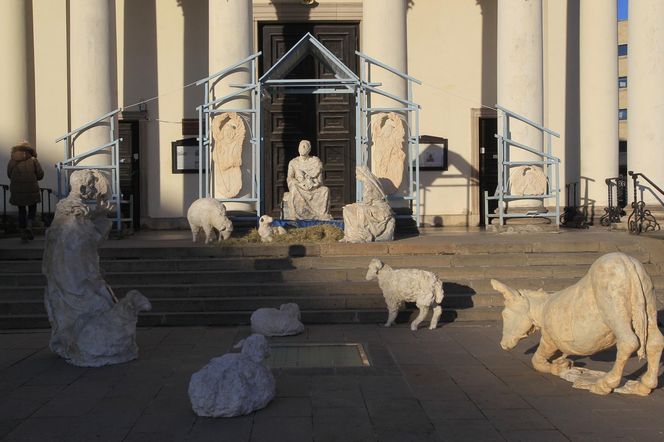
x=407, y=108
x=211, y=107
x=550, y=164
x=345, y=82
x=72, y=160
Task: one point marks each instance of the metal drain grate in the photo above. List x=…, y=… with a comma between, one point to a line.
x=317, y=355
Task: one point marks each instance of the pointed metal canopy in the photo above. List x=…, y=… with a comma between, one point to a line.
x=307, y=45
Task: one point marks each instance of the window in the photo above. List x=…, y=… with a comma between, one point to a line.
x=622, y=50
x=622, y=82
x=622, y=114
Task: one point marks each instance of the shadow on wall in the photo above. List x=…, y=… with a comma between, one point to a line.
x=195, y=65
x=457, y=162
x=489, y=9
x=572, y=105
x=140, y=80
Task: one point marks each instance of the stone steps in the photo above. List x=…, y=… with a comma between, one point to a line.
x=197, y=285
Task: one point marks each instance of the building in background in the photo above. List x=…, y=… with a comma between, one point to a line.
x=69, y=61
x=623, y=83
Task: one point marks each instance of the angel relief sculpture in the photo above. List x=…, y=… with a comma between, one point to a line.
x=228, y=131
x=387, y=151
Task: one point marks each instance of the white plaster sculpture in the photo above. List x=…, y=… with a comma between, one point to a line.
x=613, y=304
x=228, y=132
x=266, y=231
x=89, y=326
x=235, y=383
x=371, y=219
x=307, y=197
x=388, y=156
x=408, y=285
x=273, y=322
x=208, y=214
x=527, y=180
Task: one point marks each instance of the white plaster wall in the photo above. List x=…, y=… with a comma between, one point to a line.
x=445, y=53
x=51, y=98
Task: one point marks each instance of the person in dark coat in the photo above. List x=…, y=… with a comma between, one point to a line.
x=24, y=172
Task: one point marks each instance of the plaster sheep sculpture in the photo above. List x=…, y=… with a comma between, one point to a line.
x=273, y=322
x=266, y=231
x=408, y=285
x=209, y=214
x=234, y=384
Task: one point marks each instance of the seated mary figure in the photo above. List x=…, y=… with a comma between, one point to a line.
x=308, y=198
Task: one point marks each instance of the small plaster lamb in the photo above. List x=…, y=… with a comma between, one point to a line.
x=209, y=214
x=235, y=383
x=266, y=231
x=408, y=285
x=273, y=322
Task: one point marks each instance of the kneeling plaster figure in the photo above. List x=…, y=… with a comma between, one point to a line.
x=89, y=326
x=235, y=383
x=266, y=231
x=208, y=214
x=273, y=322
x=613, y=304
x=408, y=285
x=372, y=218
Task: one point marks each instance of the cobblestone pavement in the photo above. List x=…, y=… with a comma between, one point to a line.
x=454, y=383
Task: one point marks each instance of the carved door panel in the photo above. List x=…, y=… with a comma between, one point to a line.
x=328, y=121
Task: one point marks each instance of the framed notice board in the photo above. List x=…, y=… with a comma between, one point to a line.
x=184, y=156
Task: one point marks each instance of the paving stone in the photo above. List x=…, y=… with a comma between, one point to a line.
x=293, y=386
x=167, y=426
x=337, y=398
x=534, y=436
x=74, y=429
x=450, y=408
x=510, y=419
x=388, y=387
x=287, y=407
x=22, y=402
x=467, y=430
x=281, y=429
x=221, y=429
x=342, y=425
x=405, y=415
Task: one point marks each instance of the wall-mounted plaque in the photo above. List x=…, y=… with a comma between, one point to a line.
x=433, y=153
x=185, y=156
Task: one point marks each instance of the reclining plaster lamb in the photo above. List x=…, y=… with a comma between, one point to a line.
x=266, y=231
x=235, y=383
x=408, y=285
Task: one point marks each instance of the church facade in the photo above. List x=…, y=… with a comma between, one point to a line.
x=554, y=62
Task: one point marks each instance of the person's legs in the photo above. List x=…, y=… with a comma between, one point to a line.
x=21, y=217
x=32, y=214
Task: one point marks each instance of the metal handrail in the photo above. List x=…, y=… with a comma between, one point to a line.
x=612, y=213
x=504, y=165
x=228, y=69
x=527, y=121
x=641, y=219
x=387, y=68
x=88, y=125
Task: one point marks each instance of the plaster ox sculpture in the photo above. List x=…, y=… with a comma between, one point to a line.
x=235, y=383
x=208, y=214
x=266, y=231
x=89, y=326
x=282, y=322
x=408, y=285
x=613, y=304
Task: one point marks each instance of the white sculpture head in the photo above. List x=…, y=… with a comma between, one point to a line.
x=291, y=308
x=374, y=267
x=304, y=148
x=517, y=323
x=255, y=347
x=89, y=184
x=265, y=220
